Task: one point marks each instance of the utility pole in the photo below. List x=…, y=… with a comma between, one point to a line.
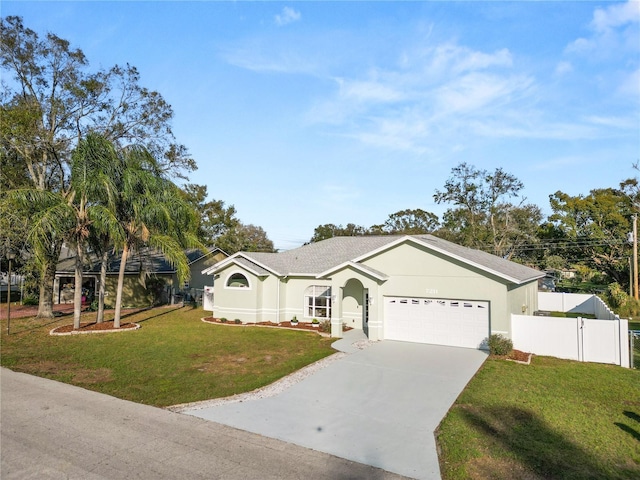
x=635, y=256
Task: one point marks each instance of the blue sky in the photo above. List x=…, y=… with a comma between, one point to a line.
x=306, y=113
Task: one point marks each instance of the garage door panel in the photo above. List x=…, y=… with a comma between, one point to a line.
x=443, y=322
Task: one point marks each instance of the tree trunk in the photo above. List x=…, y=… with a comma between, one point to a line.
x=45, y=307
x=123, y=263
x=102, y=286
x=77, y=291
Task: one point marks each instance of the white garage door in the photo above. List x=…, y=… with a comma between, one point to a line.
x=457, y=323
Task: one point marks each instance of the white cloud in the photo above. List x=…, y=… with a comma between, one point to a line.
x=614, y=28
x=287, y=16
x=431, y=97
x=616, y=16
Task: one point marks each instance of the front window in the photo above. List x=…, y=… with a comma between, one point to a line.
x=238, y=280
x=318, y=301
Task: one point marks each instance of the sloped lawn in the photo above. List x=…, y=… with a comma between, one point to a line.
x=553, y=419
x=173, y=358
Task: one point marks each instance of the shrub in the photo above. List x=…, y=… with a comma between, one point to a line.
x=223, y=320
x=500, y=345
x=315, y=321
x=30, y=300
x=621, y=302
x=325, y=326
x=237, y=321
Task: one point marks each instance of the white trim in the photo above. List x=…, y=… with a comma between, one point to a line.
x=237, y=272
x=213, y=269
x=361, y=268
x=214, y=250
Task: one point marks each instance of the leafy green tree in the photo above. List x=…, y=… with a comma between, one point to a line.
x=411, y=222
x=51, y=100
x=246, y=238
x=215, y=219
x=591, y=230
x=329, y=230
x=482, y=214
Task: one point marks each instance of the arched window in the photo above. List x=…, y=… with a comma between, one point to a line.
x=317, y=300
x=237, y=280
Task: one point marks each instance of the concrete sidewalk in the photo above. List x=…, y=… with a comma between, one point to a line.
x=379, y=406
x=51, y=430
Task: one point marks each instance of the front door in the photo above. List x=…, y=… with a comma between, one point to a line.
x=365, y=313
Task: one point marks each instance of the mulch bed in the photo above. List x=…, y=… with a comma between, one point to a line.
x=517, y=356
x=106, y=326
x=298, y=326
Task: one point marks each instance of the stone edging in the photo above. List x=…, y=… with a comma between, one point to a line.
x=86, y=332
x=232, y=324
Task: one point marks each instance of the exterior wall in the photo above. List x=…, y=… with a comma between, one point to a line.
x=419, y=272
x=269, y=303
x=198, y=280
x=522, y=300
x=293, y=297
x=240, y=303
x=134, y=294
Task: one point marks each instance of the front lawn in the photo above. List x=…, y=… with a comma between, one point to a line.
x=552, y=419
x=174, y=358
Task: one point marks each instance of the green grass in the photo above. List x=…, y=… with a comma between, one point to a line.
x=174, y=358
x=552, y=419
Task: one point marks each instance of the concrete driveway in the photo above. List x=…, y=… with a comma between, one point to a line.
x=378, y=406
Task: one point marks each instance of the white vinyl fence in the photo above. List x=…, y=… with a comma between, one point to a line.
x=575, y=303
x=582, y=339
x=601, y=340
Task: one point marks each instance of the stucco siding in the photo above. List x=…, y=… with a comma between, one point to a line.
x=422, y=273
x=240, y=303
x=293, y=301
x=521, y=300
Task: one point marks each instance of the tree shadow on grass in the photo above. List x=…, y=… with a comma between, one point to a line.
x=167, y=311
x=539, y=449
x=630, y=430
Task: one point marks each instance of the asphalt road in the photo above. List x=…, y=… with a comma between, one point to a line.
x=50, y=430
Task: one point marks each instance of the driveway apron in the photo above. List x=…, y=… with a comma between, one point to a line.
x=379, y=406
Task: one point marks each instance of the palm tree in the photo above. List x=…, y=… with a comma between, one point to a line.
x=152, y=213
x=87, y=206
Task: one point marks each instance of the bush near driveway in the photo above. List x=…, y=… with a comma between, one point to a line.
x=552, y=419
x=173, y=358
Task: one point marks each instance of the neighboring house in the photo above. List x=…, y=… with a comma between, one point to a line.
x=160, y=285
x=412, y=288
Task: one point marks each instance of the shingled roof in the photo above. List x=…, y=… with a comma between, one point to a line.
x=317, y=258
x=149, y=261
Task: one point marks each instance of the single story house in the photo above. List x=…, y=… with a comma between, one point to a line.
x=159, y=287
x=416, y=288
